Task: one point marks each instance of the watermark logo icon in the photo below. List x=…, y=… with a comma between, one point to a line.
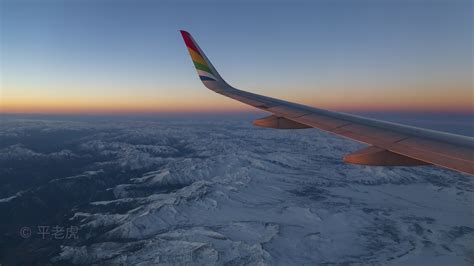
x=25, y=232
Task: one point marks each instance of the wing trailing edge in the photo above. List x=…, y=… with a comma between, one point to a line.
x=274, y=121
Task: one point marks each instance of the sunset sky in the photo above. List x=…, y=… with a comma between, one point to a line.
x=128, y=56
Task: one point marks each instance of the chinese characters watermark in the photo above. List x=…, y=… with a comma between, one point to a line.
x=56, y=232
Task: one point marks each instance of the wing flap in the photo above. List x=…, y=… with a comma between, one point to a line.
x=274, y=121
x=446, y=149
x=444, y=159
x=287, y=111
x=322, y=122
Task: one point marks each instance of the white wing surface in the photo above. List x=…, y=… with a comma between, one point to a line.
x=391, y=144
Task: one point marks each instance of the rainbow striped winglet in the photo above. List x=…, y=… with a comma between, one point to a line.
x=204, y=68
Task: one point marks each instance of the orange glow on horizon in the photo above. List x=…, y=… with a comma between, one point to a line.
x=17, y=101
x=21, y=103
x=224, y=106
x=114, y=106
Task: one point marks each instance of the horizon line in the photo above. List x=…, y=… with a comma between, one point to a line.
x=231, y=111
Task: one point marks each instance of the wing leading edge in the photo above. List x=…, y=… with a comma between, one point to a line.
x=392, y=144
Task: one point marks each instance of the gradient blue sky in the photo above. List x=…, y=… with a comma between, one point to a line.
x=95, y=56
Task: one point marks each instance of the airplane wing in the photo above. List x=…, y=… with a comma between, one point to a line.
x=391, y=144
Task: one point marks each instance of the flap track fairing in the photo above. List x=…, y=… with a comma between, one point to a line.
x=377, y=156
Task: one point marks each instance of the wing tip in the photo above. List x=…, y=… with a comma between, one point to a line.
x=185, y=34
x=200, y=61
x=188, y=40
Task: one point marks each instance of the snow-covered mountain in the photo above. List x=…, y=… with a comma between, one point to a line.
x=184, y=192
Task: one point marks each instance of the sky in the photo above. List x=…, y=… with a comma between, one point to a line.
x=128, y=56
